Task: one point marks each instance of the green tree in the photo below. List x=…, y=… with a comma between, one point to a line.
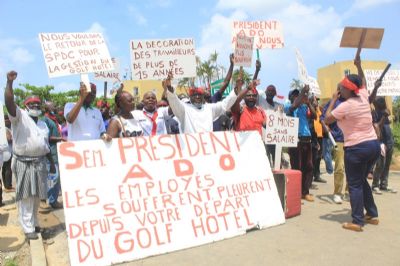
x=246, y=76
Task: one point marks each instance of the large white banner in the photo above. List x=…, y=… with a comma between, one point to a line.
x=143, y=196
x=390, y=83
x=281, y=130
x=267, y=34
x=243, y=51
x=152, y=59
x=74, y=53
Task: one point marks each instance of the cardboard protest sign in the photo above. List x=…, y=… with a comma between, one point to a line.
x=352, y=36
x=74, y=53
x=390, y=83
x=282, y=131
x=110, y=76
x=303, y=74
x=243, y=50
x=152, y=59
x=267, y=34
x=216, y=85
x=143, y=196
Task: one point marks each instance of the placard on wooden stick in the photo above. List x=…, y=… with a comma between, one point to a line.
x=352, y=35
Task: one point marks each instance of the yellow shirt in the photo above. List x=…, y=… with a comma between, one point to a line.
x=317, y=123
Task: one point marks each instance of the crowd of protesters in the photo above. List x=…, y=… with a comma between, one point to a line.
x=356, y=138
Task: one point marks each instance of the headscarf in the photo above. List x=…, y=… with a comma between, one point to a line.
x=348, y=84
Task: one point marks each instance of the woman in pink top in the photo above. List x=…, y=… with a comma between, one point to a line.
x=361, y=146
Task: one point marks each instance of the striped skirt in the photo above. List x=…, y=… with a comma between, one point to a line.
x=31, y=177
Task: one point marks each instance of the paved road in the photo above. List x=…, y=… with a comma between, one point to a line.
x=313, y=238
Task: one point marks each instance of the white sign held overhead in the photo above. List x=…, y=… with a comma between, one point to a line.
x=267, y=34
x=74, y=53
x=314, y=86
x=301, y=67
x=244, y=51
x=390, y=83
x=110, y=76
x=168, y=192
x=303, y=75
x=153, y=59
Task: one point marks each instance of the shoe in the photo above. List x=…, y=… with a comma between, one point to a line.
x=353, y=227
x=346, y=197
x=37, y=229
x=390, y=190
x=31, y=236
x=56, y=205
x=377, y=191
x=308, y=197
x=371, y=220
x=319, y=180
x=337, y=199
x=8, y=190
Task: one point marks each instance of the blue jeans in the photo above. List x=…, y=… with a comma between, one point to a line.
x=358, y=160
x=327, y=154
x=53, y=185
x=381, y=172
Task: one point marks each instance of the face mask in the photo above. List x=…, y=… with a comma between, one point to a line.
x=197, y=105
x=250, y=104
x=34, y=112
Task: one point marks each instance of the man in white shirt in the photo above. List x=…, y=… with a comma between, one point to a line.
x=84, y=121
x=30, y=149
x=197, y=116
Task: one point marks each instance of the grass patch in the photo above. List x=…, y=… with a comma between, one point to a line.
x=10, y=262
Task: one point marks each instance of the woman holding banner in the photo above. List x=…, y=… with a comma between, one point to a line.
x=361, y=146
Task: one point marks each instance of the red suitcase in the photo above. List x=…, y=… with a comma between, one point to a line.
x=288, y=184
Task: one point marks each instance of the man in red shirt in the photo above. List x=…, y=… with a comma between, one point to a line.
x=248, y=116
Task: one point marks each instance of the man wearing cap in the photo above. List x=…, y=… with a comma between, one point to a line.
x=84, y=121
x=197, y=116
x=301, y=156
x=30, y=149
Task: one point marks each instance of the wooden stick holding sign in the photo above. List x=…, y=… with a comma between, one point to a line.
x=278, y=155
x=362, y=39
